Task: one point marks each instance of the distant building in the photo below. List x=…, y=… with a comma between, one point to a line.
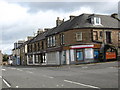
x=20, y=52
x=16, y=52
x=1, y=57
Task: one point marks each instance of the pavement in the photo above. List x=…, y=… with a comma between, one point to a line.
x=93, y=76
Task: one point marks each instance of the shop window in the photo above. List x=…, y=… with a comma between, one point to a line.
x=95, y=35
x=89, y=53
x=36, y=59
x=79, y=36
x=79, y=55
x=96, y=54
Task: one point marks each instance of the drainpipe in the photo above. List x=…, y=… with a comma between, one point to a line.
x=60, y=53
x=103, y=44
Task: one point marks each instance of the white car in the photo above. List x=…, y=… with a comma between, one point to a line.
x=10, y=62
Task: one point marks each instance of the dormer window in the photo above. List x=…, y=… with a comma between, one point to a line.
x=97, y=21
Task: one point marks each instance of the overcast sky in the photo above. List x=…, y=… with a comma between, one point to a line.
x=21, y=19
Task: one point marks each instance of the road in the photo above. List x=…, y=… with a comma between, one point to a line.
x=95, y=76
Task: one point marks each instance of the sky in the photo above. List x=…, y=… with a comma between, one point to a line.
x=20, y=19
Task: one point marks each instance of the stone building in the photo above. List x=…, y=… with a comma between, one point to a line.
x=16, y=52
x=81, y=39
x=1, y=57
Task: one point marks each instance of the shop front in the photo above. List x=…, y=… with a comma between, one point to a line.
x=108, y=52
x=84, y=54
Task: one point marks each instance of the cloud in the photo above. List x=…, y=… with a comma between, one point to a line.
x=103, y=7
x=19, y=20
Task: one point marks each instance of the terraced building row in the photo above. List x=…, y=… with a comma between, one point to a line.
x=81, y=39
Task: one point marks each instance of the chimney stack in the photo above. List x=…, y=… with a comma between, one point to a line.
x=58, y=21
x=29, y=38
x=40, y=31
x=72, y=17
x=46, y=29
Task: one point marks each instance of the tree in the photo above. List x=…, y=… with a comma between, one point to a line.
x=5, y=57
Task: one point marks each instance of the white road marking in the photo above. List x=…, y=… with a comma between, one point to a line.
x=51, y=77
x=6, y=83
x=48, y=76
x=84, y=67
x=3, y=69
x=19, y=70
x=82, y=84
x=17, y=86
x=0, y=76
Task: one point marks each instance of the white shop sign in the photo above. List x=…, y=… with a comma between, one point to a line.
x=82, y=46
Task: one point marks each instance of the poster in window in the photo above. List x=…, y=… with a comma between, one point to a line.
x=89, y=53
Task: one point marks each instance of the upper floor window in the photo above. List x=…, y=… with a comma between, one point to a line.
x=101, y=34
x=35, y=47
x=48, y=42
x=42, y=44
x=28, y=48
x=119, y=35
x=79, y=36
x=97, y=21
x=38, y=46
x=62, y=39
x=31, y=48
x=108, y=37
x=95, y=35
x=53, y=40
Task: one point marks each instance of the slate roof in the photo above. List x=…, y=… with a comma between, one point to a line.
x=40, y=36
x=82, y=21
